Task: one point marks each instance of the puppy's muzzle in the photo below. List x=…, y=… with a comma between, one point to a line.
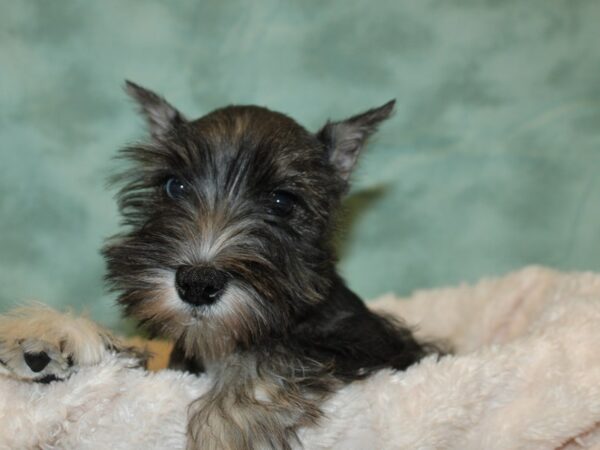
x=200, y=285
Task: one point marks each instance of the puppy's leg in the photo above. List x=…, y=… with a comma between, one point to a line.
x=248, y=410
x=40, y=344
x=234, y=421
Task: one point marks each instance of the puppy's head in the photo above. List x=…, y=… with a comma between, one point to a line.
x=228, y=220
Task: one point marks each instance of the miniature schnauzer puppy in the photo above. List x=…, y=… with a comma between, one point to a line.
x=228, y=251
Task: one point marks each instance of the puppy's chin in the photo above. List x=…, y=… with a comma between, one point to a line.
x=237, y=319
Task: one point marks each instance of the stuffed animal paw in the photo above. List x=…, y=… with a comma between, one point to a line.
x=39, y=344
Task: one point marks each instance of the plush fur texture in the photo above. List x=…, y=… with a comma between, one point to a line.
x=39, y=344
x=526, y=376
x=227, y=250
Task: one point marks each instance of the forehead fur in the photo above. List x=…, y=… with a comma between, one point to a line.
x=269, y=134
x=247, y=145
x=250, y=124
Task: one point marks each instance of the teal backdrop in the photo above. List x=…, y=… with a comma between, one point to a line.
x=491, y=161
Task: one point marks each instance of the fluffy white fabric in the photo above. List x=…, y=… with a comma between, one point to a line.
x=526, y=375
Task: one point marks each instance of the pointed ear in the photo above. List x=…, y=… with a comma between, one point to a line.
x=160, y=116
x=344, y=140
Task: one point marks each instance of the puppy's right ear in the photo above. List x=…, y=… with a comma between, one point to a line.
x=160, y=116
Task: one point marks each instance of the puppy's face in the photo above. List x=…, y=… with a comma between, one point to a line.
x=229, y=220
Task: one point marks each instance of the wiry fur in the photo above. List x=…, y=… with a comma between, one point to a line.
x=286, y=331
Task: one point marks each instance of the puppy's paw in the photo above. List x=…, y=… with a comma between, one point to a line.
x=40, y=344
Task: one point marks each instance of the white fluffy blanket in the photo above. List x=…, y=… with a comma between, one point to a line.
x=526, y=375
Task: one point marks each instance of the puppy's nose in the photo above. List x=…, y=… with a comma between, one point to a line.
x=36, y=361
x=200, y=285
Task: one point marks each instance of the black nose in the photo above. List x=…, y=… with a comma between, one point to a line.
x=200, y=285
x=36, y=361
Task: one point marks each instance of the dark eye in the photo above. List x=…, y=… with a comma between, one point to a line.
x=175, y=188
x=282, y=203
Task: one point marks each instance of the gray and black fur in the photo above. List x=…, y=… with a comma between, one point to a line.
x=228, y=251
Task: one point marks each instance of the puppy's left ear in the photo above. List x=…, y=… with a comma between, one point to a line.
x=160, y=116
x=344, y=140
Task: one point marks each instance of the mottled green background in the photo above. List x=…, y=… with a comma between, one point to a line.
x=490, y=163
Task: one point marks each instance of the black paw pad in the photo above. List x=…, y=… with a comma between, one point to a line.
x=37, y=361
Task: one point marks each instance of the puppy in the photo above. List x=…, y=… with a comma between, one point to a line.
x=227, y=250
